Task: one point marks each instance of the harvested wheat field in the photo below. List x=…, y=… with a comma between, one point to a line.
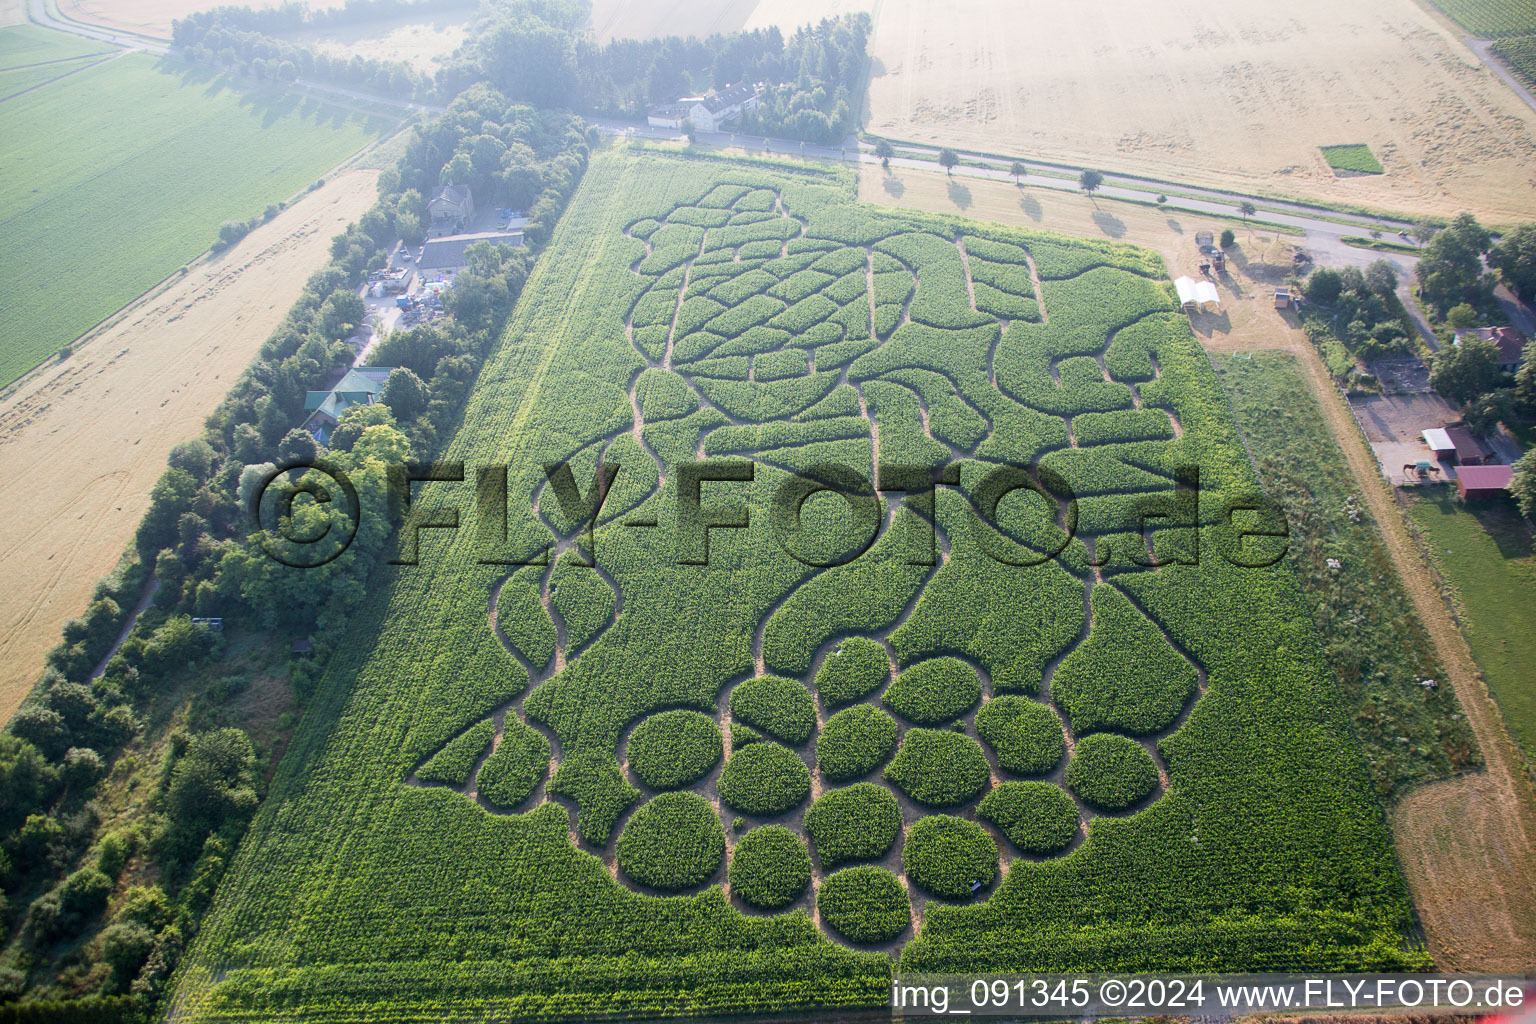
x=1236, y=95
x=83, y=441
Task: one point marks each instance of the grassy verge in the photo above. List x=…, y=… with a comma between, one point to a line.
x=1379, y=245
x=1484, y=555
x=1378, y=649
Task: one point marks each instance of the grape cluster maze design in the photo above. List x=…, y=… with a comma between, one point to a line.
x=741, y=295
x=516, y=789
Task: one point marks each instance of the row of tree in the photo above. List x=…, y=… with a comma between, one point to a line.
x=538, y=52
x=60, y=866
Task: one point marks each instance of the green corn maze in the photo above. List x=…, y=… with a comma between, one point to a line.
x=916, y=629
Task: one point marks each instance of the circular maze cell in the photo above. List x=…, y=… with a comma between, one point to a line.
x=674, y=749
x=770, y=867
x=854, y=669
x=1026, y=734
x=939, y=769
x=516, y=767
x=1035, y=816
x=1111, y=772
x=864, y=904
x=854, y=742
x=860, y=822
x=764, y=779
x=934, y=692
x=948, y=856
x=673, y=842
x=782, y=708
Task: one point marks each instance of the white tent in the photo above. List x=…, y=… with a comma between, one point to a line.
x=1196, y=293
x=1187, y=291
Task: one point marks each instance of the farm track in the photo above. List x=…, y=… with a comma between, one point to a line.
x=1467, y=845
x=566, y=540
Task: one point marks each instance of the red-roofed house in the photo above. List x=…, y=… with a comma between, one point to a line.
x=1510, y=343
x=1475, y=482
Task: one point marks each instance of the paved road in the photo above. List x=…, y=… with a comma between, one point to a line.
x=1322, y=227
x=1484, y=50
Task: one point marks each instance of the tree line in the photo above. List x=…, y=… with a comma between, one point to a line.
x=538, y=52
x=86, y=935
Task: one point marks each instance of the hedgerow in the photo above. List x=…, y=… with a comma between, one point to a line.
x=673, y=841
x=1025, y=734
x=934, y=692
x=854, y=742
x=946, y=855
x=939, y=769
x=864, y=904
x=1111, y=772
x=515, y=768
x=674, y=749
x=1035, y=816
x=1125, y=676
x=764, y=780
x=852, y=670
x=859, y=822
x=770, y=867
x=783, y=708
x=457, y=759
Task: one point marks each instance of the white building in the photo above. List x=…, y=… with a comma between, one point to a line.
x=708, y=113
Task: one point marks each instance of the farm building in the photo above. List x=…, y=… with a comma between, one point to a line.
x=361, y=384
x=1481, y=482
x=1469, y=450
x=708, y=113
x=1282, y=298
x=1440, y=443
x=1510, y=343
x=450, y=208
x=444, y=254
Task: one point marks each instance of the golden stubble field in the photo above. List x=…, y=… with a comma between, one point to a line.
x=83, y=441
x=1236, y=95
x=154, y=17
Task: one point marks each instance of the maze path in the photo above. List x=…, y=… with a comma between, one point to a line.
x=907, y=378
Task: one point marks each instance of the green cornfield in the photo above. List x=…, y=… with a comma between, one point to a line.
x=753, y=317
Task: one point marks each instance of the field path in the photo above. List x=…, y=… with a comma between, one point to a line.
x=82, y=441
x=1468, y=844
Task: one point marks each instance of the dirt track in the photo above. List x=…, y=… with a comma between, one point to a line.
x=83, y=441
x=1467, y=845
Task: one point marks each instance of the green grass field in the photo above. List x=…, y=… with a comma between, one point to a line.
x=26, y=45
x=1490, y=19
x=1216, y=814
x=1485, y=555
x=1376, y=645
x=120, y=174
x=1356, y=157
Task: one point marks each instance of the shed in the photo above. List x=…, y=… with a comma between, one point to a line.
x=1282, y=298
x=1440, y=443
x=1469, y=450
x=1479, y=482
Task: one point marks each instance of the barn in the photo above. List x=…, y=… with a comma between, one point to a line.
x=1482, y=482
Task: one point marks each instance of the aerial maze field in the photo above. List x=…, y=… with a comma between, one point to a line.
x=1052, y=712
